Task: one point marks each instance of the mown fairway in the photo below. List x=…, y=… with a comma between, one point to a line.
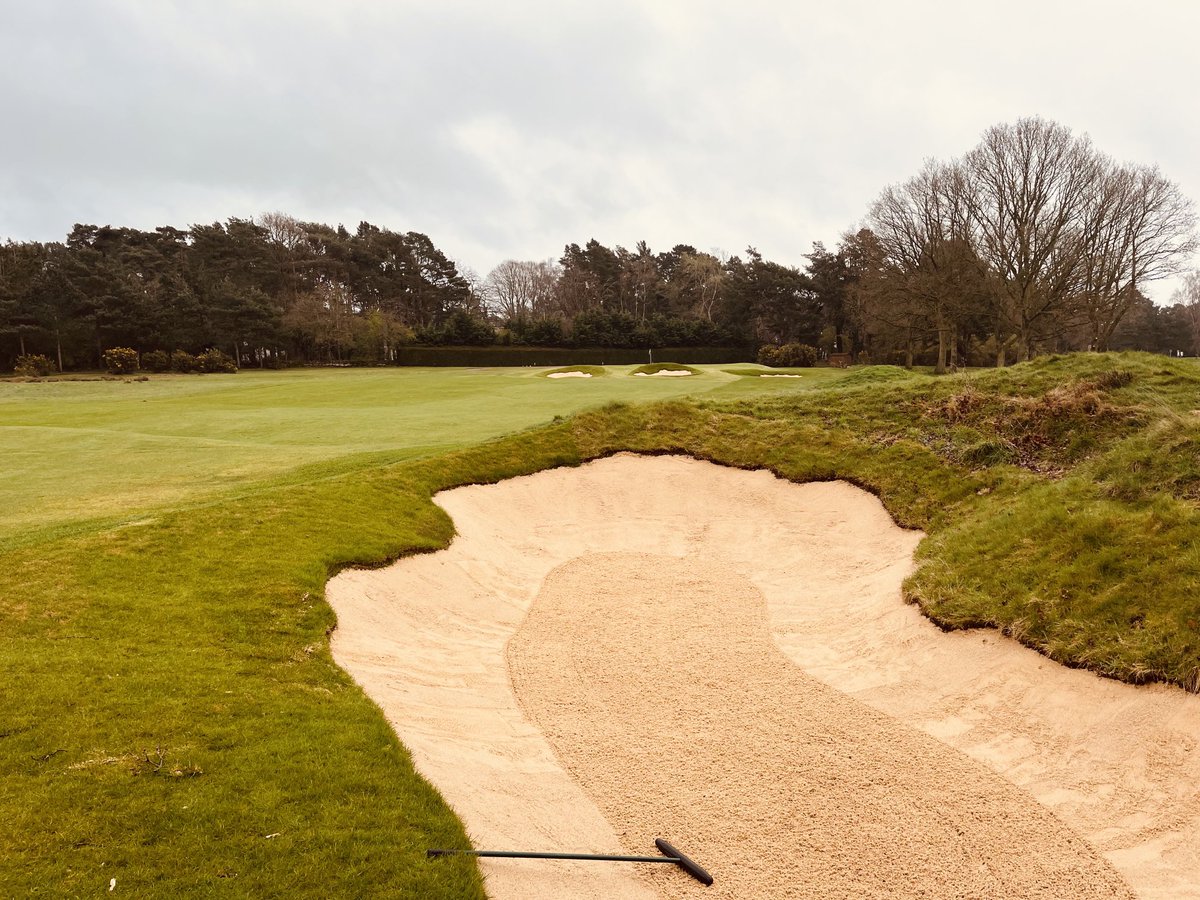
x=172, y=718
x=78, y=451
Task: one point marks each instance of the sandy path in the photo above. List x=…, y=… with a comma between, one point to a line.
x=427, y=638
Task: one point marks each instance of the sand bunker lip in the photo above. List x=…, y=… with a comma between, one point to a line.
x=778, y=375
x=427, y=638
x=664, y=373
x=569, y=375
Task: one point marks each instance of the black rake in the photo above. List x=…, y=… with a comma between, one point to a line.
x=670, y=855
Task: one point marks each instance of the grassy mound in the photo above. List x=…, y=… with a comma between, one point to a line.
x=1059, y=497
x=758, y=372
x=655, y=368
x=173, y=719
x=593, y=371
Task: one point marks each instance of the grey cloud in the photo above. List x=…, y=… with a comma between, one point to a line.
x=510, y=129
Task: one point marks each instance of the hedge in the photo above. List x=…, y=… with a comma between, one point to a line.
x=561, y=356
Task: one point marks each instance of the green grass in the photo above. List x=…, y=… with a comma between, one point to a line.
x=1059, y=498
x=102, y=451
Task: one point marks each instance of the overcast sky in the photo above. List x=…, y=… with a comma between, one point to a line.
x=506, y=130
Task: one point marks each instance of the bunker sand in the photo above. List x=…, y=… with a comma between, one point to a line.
x=650, y=647
x=668, y=701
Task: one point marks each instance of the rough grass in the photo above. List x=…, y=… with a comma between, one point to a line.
x=172, y=717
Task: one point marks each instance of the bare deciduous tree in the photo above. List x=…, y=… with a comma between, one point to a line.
x=698, y=282
x=284, y=236
x=1137, y=228
x=1188, y=298
x=1029, y=184
x=518, y=289
x=1035, y=228
x=929, y=269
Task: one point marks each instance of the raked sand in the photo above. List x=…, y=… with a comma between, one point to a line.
x=660, y=647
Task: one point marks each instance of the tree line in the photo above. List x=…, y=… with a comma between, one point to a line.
x=264, y=291
x=1033, y=241
x=276, y=290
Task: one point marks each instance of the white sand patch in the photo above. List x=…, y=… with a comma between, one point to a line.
x=569, y=375
x=972, y=736
x=666, y=373
x=780, y=375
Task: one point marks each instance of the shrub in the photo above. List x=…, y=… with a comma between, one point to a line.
x=461, y=328
x=182, y=361
x=156, y=361
x=121, y=360
x=545, y=333
x=213, y=360
x=787, y=356
x=34, y=365
x=600, y=328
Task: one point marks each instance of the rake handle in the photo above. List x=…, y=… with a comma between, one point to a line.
x=520, y=854
x=671, y=855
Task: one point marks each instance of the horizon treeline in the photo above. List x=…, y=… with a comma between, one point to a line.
x=275, y=290
x=1032, y=242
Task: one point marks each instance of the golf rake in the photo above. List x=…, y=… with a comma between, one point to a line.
x=670, y=855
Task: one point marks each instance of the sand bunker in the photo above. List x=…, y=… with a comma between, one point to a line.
x=667, y=373
x=779, y=375
x=569, y=375
x=648, y=647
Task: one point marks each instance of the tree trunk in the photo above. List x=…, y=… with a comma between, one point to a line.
x=58, y=344
x=940, y=323
x=1107, y=333
x=21, y=339
x=954, y=350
